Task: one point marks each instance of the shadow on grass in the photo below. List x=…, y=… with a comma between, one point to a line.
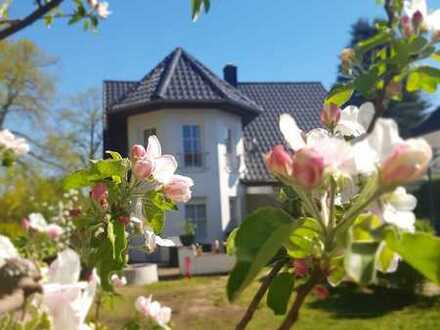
x=349, y=301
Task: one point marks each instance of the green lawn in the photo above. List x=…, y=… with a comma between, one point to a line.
x=200, y=303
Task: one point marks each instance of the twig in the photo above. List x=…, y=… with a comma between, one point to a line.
x=247, y=317
x=302, y=293
x=30, y=19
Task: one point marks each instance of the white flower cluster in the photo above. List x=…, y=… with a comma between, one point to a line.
x=101, y=7
x=10, y=143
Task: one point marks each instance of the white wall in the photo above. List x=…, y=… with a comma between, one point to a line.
x=215, y=182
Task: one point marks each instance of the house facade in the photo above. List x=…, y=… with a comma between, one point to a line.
x=218, y=129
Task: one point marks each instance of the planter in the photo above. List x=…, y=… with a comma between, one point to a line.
x=141, y=274
x=187, y=240
x=205, y=264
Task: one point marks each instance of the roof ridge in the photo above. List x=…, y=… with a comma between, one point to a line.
x=119, y=81
x=278, y=82
x=199, y=67
x=165, y=81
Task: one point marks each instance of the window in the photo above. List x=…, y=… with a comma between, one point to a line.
x=229, y=142
x=196, y=213
x=192, y=148
x=233, y=208
x=147, y=133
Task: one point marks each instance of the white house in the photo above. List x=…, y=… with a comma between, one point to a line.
x=218, y=128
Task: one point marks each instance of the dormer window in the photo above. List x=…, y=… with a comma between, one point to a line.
x=192, y=146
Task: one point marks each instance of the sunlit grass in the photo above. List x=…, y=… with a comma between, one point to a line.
x=200, y=304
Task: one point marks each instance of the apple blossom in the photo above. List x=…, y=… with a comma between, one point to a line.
x=25, y=224
x=117, y=281
x=54, y=231
x=278, y=161
x=37, y=222
x=406, y=162
x=9, y=141
x=99, y=192
x=355, y=121
x=307, y=168
x=178, y=188
x=154, y=310
x=417, y=11
x=143, y=169
x=330, y=115
x=137, y=152
x=300, y=267
x=161, y=167
x=67, y=299
x=7, y=250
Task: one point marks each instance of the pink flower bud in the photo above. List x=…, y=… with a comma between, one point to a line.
x=300, y=267
x=99, y=192
x=308, y=168
x=125, y=220
x=406, y=25
x=278, y=161
x=54, y=231
x=143, y=169
x=25, y=224
x=406, y=162
x=178, y=189
x=417, y=19
x=321, y=292
x=137, y=151
x=330, y=115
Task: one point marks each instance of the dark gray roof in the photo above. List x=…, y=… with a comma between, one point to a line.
x=301, y=99
x=178, y=78
x=181, y=79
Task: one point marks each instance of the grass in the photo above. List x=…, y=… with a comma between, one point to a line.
x=200, y=303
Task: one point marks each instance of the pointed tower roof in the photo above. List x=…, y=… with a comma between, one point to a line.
x=179, y=79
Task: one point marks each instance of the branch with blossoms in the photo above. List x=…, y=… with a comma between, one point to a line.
x=89, y=12
x=127, y=197
x=393, y=60
x=356, y=218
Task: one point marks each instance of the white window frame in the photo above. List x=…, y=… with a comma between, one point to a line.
x=192, y=158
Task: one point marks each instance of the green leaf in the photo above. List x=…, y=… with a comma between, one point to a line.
x=339, y=95
x=305, y=240
x=420, y=250
x=366, y=82
x=386, y=259
x=110, y=167
x=230, y=243
x=360, y=261
x=424, y=78
x=337, y=271
x=196, y=7
x=375, y=41
x=78, y=179
x=279, y=293
x=258, y=239
x=156, y=206
x=114, y=155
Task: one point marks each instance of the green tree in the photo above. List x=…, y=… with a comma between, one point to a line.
x=25, y=86
x=411, y=110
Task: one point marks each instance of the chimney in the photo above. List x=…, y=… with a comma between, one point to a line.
x=230, y=74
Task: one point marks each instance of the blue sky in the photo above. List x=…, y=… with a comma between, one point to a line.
x=269, y=40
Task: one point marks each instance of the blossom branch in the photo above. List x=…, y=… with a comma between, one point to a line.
x=247, y=317
x=302, y=293
x=30, y=19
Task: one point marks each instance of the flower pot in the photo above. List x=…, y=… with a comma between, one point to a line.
x=187, y=240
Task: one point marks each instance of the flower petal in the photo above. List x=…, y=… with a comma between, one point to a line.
x=164, y=168
x=154, y=149
x=65, y=269
x=292, y=133
x=7, y=250
x=366, y=114
x=384, y=137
